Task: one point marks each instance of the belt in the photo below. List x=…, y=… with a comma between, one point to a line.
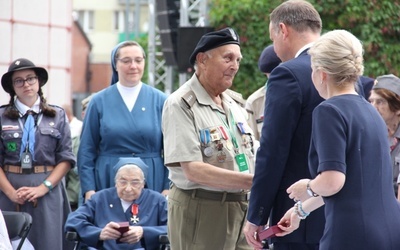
x=214, y=195
x=35, y=169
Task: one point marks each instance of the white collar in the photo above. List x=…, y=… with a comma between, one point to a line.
x=22, y=108
x=303, y=48
x=126, y=89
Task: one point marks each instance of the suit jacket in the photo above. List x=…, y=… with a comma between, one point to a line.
x=282, y=158
x=105, y=206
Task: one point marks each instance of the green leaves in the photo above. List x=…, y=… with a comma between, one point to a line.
x=375, y=22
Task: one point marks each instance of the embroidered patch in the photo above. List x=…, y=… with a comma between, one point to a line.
x=11, y=146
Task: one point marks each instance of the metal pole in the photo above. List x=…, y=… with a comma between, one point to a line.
x=127, y=2
x=151, y=55
x=137, y=19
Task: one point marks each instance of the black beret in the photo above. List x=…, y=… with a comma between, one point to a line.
x=268, y=60
x=213, y=40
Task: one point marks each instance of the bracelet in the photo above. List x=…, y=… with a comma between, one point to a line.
x=298, y=209
x=310, y=192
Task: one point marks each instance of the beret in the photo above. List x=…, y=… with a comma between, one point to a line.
x=131, y=161
x=389, y=82
x=22, y=64
x=213, y=40
x=268, y=60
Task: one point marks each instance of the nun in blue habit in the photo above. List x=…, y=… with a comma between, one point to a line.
x=145, y=210
x=123, y=120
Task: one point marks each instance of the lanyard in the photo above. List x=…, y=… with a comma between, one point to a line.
x=230, y=127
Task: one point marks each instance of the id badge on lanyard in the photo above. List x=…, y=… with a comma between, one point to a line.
x=242, y=163
x=26, y=160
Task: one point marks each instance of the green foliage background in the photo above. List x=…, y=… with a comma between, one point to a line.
x=376, y=23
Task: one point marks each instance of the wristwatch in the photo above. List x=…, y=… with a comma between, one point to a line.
x=310, y=192
x=48, y=185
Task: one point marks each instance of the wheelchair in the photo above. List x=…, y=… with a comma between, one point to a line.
x=73, y=236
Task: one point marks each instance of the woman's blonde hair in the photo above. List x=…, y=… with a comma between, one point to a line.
x=340, y=54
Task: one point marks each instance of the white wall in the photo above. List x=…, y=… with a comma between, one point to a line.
x=39, y=30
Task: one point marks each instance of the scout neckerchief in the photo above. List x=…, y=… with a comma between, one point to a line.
x=28, y=141
x=230, y=126
x=29, y=128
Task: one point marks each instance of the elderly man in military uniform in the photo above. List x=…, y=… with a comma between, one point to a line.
x=209, y=150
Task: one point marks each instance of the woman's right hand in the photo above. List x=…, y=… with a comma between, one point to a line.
x=110, y=232
x=15, y=197
x=289, y=222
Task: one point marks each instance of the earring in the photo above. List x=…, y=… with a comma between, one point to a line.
x=322, y=82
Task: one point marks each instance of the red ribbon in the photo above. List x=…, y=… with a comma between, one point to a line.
x=223, y=132
x=135, y=209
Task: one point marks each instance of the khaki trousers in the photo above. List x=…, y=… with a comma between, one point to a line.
x=201, y=224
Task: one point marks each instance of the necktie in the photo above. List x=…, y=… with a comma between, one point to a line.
x=28, y=135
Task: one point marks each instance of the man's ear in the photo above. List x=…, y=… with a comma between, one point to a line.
x=284, y=30
x=201, y=57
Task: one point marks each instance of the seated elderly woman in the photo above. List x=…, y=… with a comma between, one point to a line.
x=98, y=221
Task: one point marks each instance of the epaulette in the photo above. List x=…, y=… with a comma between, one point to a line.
x=189, y=98
x=54, y=106
x=250, y=111
x=237, y=97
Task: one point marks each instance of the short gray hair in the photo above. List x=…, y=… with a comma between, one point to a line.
x=129, y=167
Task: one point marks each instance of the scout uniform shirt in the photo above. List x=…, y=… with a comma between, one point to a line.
x=196, y=129
x=255, y=107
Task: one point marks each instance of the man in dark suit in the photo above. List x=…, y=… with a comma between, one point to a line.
x=285, y=138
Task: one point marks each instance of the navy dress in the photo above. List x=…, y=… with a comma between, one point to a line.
x=349, y=136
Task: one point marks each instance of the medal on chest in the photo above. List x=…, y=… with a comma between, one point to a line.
x=135, y=213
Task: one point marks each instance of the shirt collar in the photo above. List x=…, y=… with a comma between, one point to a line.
x=22, y=108
x=307, y=46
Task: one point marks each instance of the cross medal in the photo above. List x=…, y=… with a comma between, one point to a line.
x=135, y=211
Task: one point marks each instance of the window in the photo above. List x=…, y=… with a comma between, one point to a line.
x=86, y=19
x=118, y=21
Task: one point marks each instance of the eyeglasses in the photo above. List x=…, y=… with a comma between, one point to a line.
x=125, y=183
x=128, y=60
x=19, y=82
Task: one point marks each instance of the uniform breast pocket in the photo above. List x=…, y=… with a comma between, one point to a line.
x=217, y=154
x=49, y=138
x=11, y=140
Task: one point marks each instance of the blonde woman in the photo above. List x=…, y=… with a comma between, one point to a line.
x=349, y=156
